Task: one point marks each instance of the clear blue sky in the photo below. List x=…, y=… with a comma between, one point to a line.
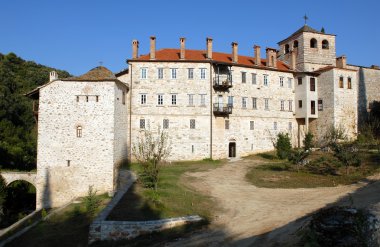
x=77, y=35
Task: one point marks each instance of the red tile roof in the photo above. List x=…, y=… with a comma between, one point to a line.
x=200, y=56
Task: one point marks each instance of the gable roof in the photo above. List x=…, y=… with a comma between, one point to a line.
x=173, y=55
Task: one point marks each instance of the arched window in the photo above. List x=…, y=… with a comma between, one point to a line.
x=325, y=44
x=286, y=48
x=313, y=43
x=79, y=131
x=295, y=44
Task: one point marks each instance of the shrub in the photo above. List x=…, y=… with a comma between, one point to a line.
x=308, y=141
x=91, y=202
x=283, y=145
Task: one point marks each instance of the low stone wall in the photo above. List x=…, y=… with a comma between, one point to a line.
x=117, y=230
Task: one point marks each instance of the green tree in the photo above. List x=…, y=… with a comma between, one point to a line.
x=283, y=145
x=308, y=141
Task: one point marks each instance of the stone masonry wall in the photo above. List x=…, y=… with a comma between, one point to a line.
x=66, y=164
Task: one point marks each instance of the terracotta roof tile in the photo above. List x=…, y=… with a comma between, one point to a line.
x=199, y=56
x=95, y=74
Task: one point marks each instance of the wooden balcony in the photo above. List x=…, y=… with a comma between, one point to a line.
x=222, y=109
x=222, y=83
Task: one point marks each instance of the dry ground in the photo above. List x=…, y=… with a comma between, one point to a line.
x=251, y=216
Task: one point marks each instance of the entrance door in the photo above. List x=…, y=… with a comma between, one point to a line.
x=232, y=149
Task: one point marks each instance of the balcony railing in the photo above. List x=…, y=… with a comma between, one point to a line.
x=222, y=109
x=222, y=82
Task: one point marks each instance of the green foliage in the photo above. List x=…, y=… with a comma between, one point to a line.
x=308, y=141
x=322, y=30
x=91, y=202
x=17, y=125
x=3, y=195
x=283, y=145
x=347, y=155
x=298, y=156
x=334, y=135
x=43, y=213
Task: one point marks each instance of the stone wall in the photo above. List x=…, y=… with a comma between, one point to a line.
x=67, y=164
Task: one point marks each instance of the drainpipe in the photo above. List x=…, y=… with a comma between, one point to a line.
x=211, y=110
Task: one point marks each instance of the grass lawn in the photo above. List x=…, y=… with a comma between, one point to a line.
x=66, y=228
x=322, y=171
x=172, y=198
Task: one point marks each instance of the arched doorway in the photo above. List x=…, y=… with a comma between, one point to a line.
x=232, y=149
x=20, y=201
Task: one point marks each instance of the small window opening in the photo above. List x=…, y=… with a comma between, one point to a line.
x=86, y=98
x=79, y=131
x=313, y=43
x=295, y=44
x=325, y=44
x=287, y=49
x=97, y=98
x=77, y=98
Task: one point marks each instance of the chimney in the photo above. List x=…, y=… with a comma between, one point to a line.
x=293, y=59
x=53, y=76
x=271, y=57
x=234, y=52
x=257, y=55
x=182, y=54
x=135, y=49
x=341, y=62
x=152, y=47
x=209, y=48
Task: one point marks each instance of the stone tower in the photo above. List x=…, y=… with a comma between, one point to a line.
x=313, y=50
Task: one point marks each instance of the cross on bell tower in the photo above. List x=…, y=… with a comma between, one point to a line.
x=305, y=18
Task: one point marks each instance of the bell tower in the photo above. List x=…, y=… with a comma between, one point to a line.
x=308, y=50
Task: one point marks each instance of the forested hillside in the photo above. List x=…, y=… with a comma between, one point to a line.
x=18, y=133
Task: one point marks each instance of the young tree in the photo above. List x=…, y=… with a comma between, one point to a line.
x=151, y=150
x=347, y=155
x=308, y=141
x=283, y=145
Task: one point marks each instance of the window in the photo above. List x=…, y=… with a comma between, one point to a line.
x=287, y=49
x=243, y=77
x=143, y=74
x=290, y=126
x=192, y=149
x=312, y=84
x=290, y=102
x=97, y=98
x=203, y=73
x=79, y=131
x=300, y=104
x=254, y=103
x=86, y=98
x=251, y=125
x=325, y=44
x=142, y=123
x=173, y=73
x=341, y=82
x=313, y=43
x=265, y=80
x=312, y=107
x=266, y=104
x=231, y=100
x=160, y=99
x=77, y=98
x=174, y=99
x=281, y=81
x=192, y=123
x=143, y=99
x=275, y=125
x=254, y=79
x=320, y=105
x=203, y=99
x=227, y=124
x=290, y=82
x=191, y=99
x=190, y=73
x=160, y=73
x=349, y=83
x=123, y=98
x=295, y=44
x=244, y=102
x=282, y=105
x=299, y=80
x=165, y=124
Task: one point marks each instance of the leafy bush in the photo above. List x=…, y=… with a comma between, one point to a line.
x=283, y=145
x=308, y=141
x=91, y=202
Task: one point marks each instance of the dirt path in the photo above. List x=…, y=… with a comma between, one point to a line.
x=252, y=216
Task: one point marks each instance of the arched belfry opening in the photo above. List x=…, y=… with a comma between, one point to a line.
x=325, y=44
x=313, y=43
